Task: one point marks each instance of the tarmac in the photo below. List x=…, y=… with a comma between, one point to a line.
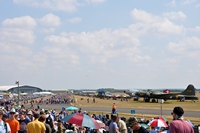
x=121, y=110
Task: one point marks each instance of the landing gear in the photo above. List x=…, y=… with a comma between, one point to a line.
x=146, y=99
x=153, y=100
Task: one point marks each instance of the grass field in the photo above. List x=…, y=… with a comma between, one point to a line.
x=168, y=105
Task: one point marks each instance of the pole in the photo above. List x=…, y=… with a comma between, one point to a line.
x=17, y=82
x=161, y=108
x=160, y=101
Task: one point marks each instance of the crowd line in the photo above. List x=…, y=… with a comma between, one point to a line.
x=35, y=120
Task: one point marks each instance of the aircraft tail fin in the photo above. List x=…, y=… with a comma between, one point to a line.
x=190, y=90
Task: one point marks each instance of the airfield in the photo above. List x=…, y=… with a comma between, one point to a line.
x=142, y=109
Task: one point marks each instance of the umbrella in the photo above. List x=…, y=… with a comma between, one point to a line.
x=71, y=108
x=190, y=123
x=144, y=125
x=160, y=117
x=81, y=120
x=101, y=124
x=157, y=123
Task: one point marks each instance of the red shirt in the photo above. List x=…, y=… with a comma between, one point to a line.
x=180, y=126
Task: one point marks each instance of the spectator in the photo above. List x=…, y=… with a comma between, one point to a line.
x=114, y=109
x=153, y=130
x=5, y=128
x=43, y=120
x=178, y=125
x=122, y=126
x=35, y=126
x=23, y=122
x=30, y=115
x=93, y=100
x=50, y=120
x=136, y=127
x=60, y=127
x=113, y=128
x=13, y=123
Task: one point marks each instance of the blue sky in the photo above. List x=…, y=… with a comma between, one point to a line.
x=78, y=44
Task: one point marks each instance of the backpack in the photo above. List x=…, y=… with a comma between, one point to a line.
x=5, y=126
x=142, y=130
x=50, y=122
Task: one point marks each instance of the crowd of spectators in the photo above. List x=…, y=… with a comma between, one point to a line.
x=36, y=120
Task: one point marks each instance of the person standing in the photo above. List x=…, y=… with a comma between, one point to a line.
x=114, y=109
x=113, y=128
x=178, y=125
x=13, y=123
x=122, y=126
x=4, y=126
x=23, y=122
x=43, y=120
x=35, y=126
x=30, y=115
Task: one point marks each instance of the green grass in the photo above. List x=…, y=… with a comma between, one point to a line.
x=168, y=105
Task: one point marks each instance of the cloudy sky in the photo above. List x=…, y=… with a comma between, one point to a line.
x=78, y=44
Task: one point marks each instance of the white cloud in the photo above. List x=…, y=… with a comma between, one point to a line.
x=198, y=5
x=139, y=59
x=25, y=22
x=172, y=3
x=48, y=30
x=22, y=63
x=95, y=1
x=75, y=20
x=155, y=24
x=18, y=30
x=61, y=56
x=196, y=29
x=172, y=60
x=16, y=35
x=188, y=47
x=63, y=5
x=143, y=16
x=174, y=15
x=58, y=40
x=99, y=46
x=50, y=20
x=7, y=48
x=186, y=2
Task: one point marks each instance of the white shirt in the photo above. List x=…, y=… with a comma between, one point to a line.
x=47, y=115
x=3, y=129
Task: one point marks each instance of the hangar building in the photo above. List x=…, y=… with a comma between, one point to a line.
x=22, y=89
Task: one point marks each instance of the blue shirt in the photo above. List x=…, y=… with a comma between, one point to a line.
x=3, y=128
x=112, y=127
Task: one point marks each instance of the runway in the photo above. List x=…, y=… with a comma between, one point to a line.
x=121, y=110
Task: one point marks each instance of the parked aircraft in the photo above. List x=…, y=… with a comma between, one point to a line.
x=87, y=93
x=187, y=94
x=131, y=93
x=103, y=94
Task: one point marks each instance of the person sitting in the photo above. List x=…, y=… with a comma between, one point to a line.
x=153, y=130
x=136, y=127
